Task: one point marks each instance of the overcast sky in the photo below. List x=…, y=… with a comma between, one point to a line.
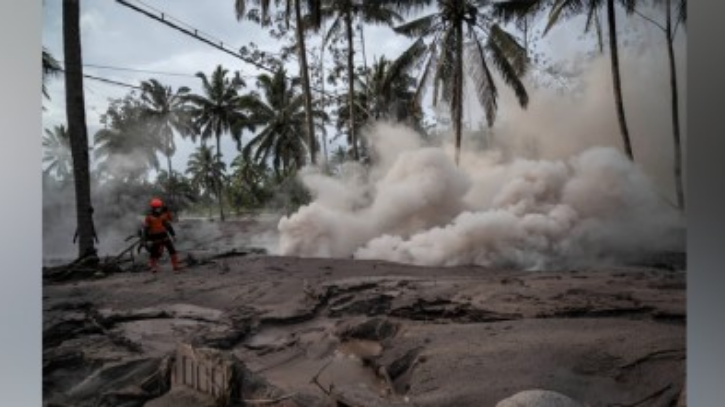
x=114, y=35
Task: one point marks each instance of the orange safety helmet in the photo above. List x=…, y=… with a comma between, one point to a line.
x=156, y=203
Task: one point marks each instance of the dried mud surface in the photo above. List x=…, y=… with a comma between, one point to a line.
x=326, y=332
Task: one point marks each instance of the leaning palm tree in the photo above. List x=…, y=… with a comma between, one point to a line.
x=167, y=113
x=342, y=13
x=57, y=153
x=206, y=172
x=281, y=115
x=485, y=44
x=300, y=26
x=563, y=9
x=216, y=111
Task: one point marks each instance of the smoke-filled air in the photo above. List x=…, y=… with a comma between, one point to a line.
x=552, y=190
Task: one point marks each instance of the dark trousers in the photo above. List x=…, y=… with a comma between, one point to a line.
x=158, y=242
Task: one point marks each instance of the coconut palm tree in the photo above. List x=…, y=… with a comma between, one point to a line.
x=57, y=153
x=167, y=113
x=77, y=130
x=126, y=147
x=295, y=7
x=342, y=13
x=460, y=28
x=563, y=9
x=216, y=112
x=206, y=172
x=249, y=182
x=281, y=115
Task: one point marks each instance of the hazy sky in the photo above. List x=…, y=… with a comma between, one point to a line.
x=114, y=35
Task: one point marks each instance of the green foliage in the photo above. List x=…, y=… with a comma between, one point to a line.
x=279, y=113
x=57, y=153
x=126, y=147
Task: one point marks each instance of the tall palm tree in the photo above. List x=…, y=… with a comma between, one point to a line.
x=126, y=147
x=295, y=6
x=167, y=113
x=216, y=111
x=670, y=30
x=562, y=9
x=206, y=172
x=342, y=13
x=76, y=119
x=486, y=43
x=281, y=115
x=57, y=153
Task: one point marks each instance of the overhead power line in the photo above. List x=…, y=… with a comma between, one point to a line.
x=118, y=68
x=197, y=34
x=106, y=80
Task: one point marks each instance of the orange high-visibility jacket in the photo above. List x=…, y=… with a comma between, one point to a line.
x=158, y=224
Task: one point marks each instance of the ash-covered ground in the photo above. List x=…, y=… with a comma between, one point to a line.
x=344, y=332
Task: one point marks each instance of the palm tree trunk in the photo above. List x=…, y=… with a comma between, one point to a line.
x=457, y=102
x=612, y=19
x=351, y=80
x=218, y=182
x=305, y=74
x=76, y=117
x=323, y=101
x=675, y=111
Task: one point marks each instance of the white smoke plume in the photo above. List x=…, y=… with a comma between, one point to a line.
x=552, y=191
x=524, y=213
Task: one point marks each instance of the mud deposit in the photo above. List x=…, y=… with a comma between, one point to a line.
x=311, y=332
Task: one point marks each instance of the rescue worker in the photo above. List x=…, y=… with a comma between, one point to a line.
x=158, y=233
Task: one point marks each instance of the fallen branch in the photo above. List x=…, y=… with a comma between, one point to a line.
x=268, y=401
x=650, y=356
x=317, y=382
x=646, y=398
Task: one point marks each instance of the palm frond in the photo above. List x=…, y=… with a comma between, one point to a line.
x=423, y=82
x=333, y=31
x=517, y=10
x=379, y=15
x=443, y=80
x=563, y=9
x=593, y=19
x=508, y=72
x=514, y=53
x=485, y=87
x=419, y=27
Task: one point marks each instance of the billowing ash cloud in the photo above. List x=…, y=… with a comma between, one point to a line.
x=553, y=190
x=417, y=207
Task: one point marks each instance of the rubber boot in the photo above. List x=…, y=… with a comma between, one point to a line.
x=153, y=265
x=175, y=262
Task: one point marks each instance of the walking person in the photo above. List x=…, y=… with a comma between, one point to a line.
x=158, y=233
